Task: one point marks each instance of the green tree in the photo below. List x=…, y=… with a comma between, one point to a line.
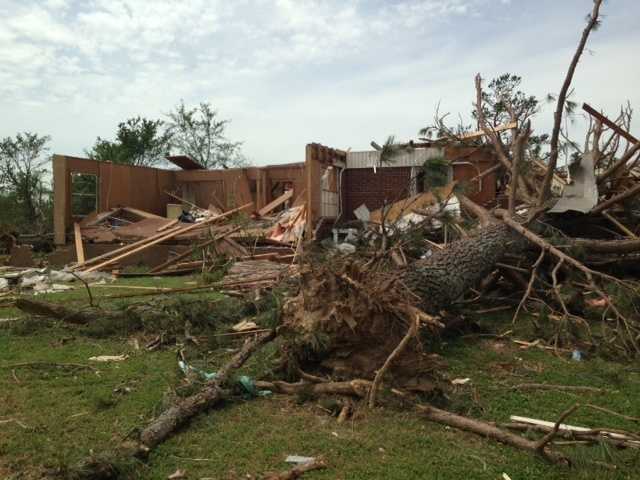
x=200, y=133
x=23, y=163
x=502, y=102
x=139, y=141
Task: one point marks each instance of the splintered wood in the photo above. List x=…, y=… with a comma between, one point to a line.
x=252, y=274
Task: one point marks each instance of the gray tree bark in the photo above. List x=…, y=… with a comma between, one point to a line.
x=447, y=274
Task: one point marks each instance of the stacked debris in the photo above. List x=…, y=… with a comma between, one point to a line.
x=201, y=238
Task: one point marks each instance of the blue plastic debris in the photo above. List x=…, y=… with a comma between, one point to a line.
x=247, y=383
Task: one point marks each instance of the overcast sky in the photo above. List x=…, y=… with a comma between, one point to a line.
x=290, y=72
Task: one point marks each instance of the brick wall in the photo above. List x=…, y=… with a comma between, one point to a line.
x=362, y=185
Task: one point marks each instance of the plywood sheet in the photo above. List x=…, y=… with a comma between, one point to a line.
x=407, y=205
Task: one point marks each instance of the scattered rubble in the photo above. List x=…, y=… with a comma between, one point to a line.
x=360, y=312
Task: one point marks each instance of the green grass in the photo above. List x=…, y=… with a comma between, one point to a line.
x=70, y=412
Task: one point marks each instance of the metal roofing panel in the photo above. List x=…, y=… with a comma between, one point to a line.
x=413, y=158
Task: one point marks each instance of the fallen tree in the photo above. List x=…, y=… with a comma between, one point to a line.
x=174, y=417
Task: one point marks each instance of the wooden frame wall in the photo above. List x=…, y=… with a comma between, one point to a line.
x=144, y=187
x=317, y=159
x=118, y=185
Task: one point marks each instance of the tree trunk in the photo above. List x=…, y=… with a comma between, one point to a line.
x=447, y=274
x=185, y=409
x=59, y=312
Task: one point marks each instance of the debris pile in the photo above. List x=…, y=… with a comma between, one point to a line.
x=560, y=251
x=201, y=238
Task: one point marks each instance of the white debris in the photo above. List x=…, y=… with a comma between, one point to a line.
x=244, y=326
x=460, y=381
x=346, y=248
x=109, y=358
x=30, y=281
x=299, y=460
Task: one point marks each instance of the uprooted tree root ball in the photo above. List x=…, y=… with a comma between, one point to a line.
x=347, y=318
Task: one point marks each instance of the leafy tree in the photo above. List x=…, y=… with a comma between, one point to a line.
x=200, y=133
x=23, y=163
x=502, y=102
x=139, y=141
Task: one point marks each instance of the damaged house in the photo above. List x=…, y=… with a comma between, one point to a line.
x=112, y=204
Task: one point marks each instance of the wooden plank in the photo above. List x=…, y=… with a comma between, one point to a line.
x=61, y=199
x=192, y=205
x=480, y=133
x=231, y=248
x=168, y=225
x=78, y=239
x=301, y=199
x=140, y=213
x=276, y=203
x=569, y=428
x=168, y=236
x=313, y=173
x=612, y=125
x=177, y=258
x=122, y=249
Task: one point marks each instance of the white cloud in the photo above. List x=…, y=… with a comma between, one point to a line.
x=288, y=71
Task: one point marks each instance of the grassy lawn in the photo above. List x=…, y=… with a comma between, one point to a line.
x=65, y=413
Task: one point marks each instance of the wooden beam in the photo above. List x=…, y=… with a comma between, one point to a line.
x=122, y=249
x=313, y=173
x=276, y=203
x=480, y=133
x=78, y=240
x=177, y=258
x=168, y=236
x=141, y=213
x=612, y=125
x=172, y=223
x=60, y=196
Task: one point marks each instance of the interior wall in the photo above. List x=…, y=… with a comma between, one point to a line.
x=233, y=187
x=118, y=186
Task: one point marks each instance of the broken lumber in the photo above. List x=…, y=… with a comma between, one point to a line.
x=481, y=133
x=173, y=233
x=78, y=242
x=612, y=125
x=124, y=248
x=275, y=203
x=200, y=246
x=168, y=225
x=140, y=213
